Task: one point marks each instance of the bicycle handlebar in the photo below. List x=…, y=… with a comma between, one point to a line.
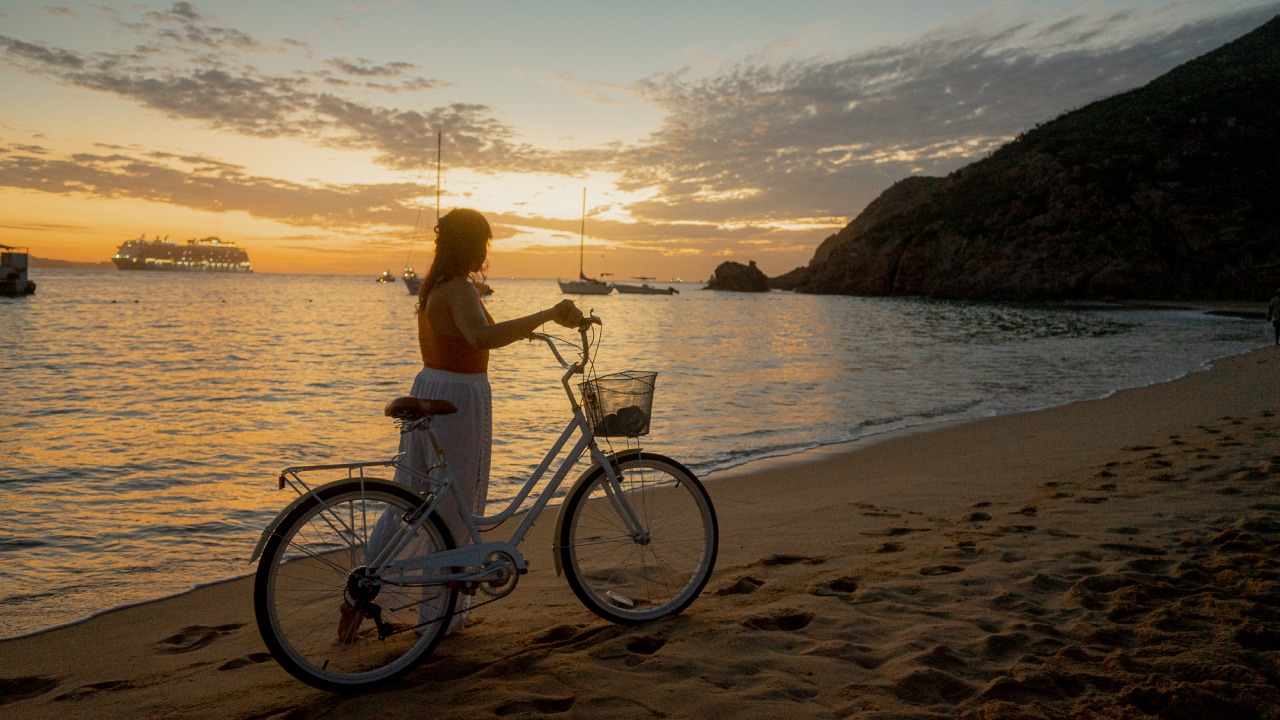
x=583, y=328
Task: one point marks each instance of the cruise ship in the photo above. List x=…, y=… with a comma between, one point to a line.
x=207, y=255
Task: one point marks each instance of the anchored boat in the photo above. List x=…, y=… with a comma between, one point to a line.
x=584, y=285
x=13, y=272
x=644, y=288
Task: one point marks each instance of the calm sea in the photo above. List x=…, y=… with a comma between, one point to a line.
x=146, y=417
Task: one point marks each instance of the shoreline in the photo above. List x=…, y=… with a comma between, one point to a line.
x=783, y=463
x=842, y=447
x=1110, y=557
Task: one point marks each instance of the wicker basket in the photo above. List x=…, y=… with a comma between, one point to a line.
x=619, y=405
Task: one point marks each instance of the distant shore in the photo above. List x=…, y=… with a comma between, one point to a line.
x=1105, y=558
x=50, y=264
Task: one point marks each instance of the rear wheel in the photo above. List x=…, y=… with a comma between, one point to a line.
x=316, y=602
x=629, y=577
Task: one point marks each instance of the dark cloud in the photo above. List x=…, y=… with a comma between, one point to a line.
x=38, y=55
x=365, y=68
x=209, y=184
x=185, y=26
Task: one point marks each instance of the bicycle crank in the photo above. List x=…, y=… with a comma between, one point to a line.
x=500, y=574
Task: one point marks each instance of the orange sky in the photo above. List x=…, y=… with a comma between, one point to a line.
x=306, y=132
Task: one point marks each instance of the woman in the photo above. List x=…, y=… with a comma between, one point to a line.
x=455, y=335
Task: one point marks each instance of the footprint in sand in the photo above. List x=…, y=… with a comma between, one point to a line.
x=941, y=569
x=562, y=635
x=27, y=686
x=839, y=587
x=777, y=560
x=900, y=531
x=742, y=586
x=1018, y=528
x=94, y=688
x=641, y=648
x=646, y=645
x=246, y=661
x=780, y=622
x=194, y=637
x=538, y=706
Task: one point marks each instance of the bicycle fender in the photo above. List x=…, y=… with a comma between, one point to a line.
x=279, y=518
x=614, y=459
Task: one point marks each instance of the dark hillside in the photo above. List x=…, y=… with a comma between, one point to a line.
x=1168, y=191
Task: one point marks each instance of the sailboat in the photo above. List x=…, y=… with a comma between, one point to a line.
x=584, y=285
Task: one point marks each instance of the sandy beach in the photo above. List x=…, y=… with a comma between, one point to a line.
x=1106, y=559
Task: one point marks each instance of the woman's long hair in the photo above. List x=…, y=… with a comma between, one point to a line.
x=462, y=246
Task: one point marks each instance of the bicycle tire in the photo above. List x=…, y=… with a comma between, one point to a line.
x=303, y=579
x=630, y=580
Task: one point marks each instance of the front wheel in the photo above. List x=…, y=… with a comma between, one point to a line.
x=627, y=574
x=325, y=616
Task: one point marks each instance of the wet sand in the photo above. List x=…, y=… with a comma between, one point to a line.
x=1112, y=558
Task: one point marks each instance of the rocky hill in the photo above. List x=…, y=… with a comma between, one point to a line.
x=1170, y=191
x=738, y=277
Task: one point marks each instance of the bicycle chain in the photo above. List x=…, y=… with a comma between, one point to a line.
x=450, y=616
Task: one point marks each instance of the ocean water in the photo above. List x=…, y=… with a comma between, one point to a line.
x=145, y=417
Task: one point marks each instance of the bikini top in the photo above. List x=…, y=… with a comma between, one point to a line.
x=451, y=353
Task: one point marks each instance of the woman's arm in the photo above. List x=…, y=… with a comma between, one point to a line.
x=470, y=319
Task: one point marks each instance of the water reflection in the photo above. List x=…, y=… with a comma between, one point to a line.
x=148, y=416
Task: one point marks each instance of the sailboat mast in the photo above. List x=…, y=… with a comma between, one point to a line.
x=439, y=135
x=582, y=236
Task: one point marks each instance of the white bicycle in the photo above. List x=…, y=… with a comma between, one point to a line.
x=358, y=578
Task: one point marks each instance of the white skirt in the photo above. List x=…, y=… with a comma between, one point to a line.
x=465, y=437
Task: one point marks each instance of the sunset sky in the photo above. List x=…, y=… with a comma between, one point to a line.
x=305, y=131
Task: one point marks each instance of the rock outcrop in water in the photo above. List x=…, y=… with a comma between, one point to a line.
x=741, y=278
x=1168, y=191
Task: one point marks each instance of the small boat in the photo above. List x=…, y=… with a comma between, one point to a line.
x=411, y=280
x=13, y=272
x=386, y=277
x=644, y=288
x=584, y=285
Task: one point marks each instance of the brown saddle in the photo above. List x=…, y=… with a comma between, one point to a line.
x=412, y=408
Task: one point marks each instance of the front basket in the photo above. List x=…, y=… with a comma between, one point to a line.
x=619, y=405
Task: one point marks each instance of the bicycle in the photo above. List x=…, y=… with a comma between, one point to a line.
x=358, y=578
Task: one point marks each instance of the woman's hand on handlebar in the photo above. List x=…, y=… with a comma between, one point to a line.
x=567, y=314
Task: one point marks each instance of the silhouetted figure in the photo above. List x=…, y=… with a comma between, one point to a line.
x=455, y=335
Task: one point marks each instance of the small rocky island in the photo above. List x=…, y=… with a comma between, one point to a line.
x=739, y=278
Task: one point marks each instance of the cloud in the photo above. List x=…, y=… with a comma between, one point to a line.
x=824, y=137
x=205, y=183
x=757, y=150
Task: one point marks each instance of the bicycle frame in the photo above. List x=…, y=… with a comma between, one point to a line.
x=476, y=554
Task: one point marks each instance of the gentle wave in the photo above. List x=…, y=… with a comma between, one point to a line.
x=153, y=414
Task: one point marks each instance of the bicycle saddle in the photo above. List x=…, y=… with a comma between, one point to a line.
x=412, y=408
